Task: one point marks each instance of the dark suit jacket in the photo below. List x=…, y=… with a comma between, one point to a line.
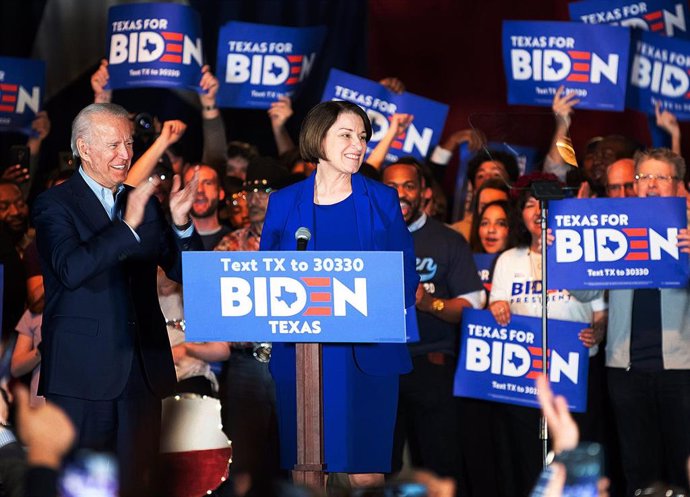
x=381, y=227
x=101, y=302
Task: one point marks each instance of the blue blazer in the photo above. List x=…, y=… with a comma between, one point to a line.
x=101, y=296
x=381, y=227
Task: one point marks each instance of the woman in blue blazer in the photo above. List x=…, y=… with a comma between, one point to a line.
x=344, y=211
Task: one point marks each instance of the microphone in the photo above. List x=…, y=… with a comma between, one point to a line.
x=302, y=235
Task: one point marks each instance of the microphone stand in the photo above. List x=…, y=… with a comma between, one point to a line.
x=544, y=191
x=310, y=468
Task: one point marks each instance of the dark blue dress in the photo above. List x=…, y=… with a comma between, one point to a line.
x=358, y=409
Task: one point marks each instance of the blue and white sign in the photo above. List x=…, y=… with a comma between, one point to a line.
x=659, y=73
x=22, y=83
x=664, y=17
x=154, y=45
x=294, y=296
x=591, y=61
x=617, y=243
x=485, y=268
x=380, y=104
x=501, y=363
x=258, y=63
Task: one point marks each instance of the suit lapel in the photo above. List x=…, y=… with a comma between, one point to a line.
x=363, y=212
x=306, y=210
x=91, y=208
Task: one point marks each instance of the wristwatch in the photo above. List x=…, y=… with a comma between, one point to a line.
x=437, y=305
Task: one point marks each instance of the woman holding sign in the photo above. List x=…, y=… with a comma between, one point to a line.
x=343, y=211
x=516, y=289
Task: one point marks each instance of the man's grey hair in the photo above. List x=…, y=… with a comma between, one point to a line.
x=663, y=155
x=82, y=124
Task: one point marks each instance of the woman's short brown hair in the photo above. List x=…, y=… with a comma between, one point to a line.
x=317, y=123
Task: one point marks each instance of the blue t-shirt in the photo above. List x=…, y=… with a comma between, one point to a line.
x=446, y=269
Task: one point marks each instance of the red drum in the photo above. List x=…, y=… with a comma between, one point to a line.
x=195, y=453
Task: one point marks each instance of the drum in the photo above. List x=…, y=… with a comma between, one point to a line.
x=195, y=453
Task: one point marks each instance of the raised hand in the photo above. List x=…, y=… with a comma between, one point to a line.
x=563, y=104
x=137, y=200
x=181, y=199
x=209, y=85
x=666, y=120
x=562, y=427
x=393, y=84
x=98, y=81
x=172, y=131
x=41, y=125
x=280, y=111
x=400, y=123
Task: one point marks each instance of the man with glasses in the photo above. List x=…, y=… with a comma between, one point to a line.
x=620, y=179
x=648, y=354
x=658, y=173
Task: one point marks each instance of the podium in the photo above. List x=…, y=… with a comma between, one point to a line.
x=310, y=468
x=307, y=298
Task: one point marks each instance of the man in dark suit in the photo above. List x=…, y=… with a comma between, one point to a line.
x=106, y=358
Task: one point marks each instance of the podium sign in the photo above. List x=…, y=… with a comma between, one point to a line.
x=294, y=296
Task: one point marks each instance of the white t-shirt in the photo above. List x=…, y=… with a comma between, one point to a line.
x=170, y=300
x=517, y=280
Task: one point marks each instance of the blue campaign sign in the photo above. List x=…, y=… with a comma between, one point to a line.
x=666, y=17
x=591, y=61
x=380, y=104
x=500, y=363
x=617, y=243
x=258, y=63
x=485, y=267
x=294, y=296
x=154, y=45
x=659, y=73
x=22, y=83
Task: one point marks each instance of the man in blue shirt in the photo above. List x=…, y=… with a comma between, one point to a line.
x=105, y=353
